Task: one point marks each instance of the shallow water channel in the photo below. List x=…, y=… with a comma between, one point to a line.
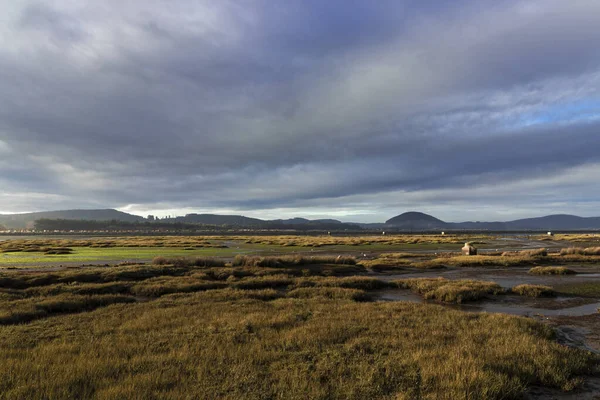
x=508, y=304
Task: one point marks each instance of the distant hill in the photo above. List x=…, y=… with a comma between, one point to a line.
x=27, y=221
x=247, y=222
x=416, y=221
x=413, y=220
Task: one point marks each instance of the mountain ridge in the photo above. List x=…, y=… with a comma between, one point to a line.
x=408, y=221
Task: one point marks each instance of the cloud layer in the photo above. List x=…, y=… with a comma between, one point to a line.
x=359, y=110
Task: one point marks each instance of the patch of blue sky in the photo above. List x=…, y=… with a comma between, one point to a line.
x=564, y=113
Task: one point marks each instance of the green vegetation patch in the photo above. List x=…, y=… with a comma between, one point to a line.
x=99, y=254
x=584, y=289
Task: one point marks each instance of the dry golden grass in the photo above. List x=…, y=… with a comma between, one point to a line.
x=288, y=261
x=526, y=253
x=335, y=293
x=218, y=241
x=533, y=290
x=248, y=332
x=318, y=345
x=588, y=251
x=573, y=237
x=188, y=261
x=449, y=291
x=516, y=259
x=402, y=239
x=477, y=261
x=392, y=261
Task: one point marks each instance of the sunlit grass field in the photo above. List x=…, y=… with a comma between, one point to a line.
x=88, y=254
x=32, y=252
x=266, y=328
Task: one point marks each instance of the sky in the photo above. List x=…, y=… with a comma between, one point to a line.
x=356, y=110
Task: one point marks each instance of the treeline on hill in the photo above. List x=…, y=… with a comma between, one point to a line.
x=46, y=224
x=88, y=225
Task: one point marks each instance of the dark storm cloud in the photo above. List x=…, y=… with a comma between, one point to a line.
x=253, y=105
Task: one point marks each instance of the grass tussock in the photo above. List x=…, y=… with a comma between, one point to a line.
x=587, y=251
x=448, y=291
x=551, y=271
x=526, y=253
x=392, y=261
x=534, y=290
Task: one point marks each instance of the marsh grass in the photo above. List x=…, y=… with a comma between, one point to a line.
x=207, y=262
x=29, y=309
x=512, y=259
x=253, y=344
x=477, y=261
x=587, y=251
x=534, y=290
x=334, y=293
x=526, y=253
x=449, y=291
x=287, y=261
x=256, y=333
x=392, y=261
x=551, y=271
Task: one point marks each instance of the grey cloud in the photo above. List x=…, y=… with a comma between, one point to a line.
x=254, y=105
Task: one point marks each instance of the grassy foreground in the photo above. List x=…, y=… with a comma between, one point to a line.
x=201, y=330
x=214, y=345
